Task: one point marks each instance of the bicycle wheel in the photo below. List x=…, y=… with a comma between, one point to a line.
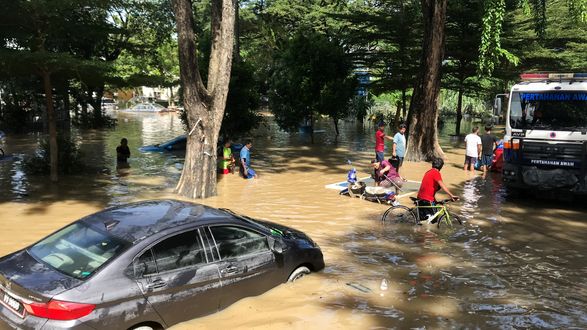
x=399, y=214
x=453, y=218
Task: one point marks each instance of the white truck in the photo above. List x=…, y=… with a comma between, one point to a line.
x=545, y=143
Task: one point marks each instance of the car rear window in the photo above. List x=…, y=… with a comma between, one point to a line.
x=78, y=250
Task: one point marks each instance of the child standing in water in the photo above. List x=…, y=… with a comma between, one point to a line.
x=122, y=151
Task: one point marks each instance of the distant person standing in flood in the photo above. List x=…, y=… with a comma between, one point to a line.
x=122, y=151
x=473, y=149
x=399, y=146
x=245, y=161
x=488, y=142
x=227, y=162
x=380, y=137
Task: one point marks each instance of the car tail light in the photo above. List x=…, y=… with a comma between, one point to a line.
x=59, y=310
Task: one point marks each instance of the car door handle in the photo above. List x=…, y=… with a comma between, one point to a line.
x=156, y=284
x=229, y=270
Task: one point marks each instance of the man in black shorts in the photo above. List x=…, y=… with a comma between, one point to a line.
x=488, y=143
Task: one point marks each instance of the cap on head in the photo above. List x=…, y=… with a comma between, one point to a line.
x=381, y=124
x=402, y=126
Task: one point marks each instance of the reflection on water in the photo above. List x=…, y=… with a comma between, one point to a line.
x=515, y=264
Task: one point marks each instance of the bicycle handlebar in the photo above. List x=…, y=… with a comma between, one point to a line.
x=445, y=201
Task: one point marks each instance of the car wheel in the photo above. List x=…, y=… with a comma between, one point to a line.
x=298, y=273
x=147, y=327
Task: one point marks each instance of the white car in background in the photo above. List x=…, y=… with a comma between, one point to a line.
x=109, y=104
x=148, y=107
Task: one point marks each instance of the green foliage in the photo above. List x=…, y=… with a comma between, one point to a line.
x=562, y=48
x=385, y=106
x=69, y=159
x=578, y=9
x=360, y=106
x=312, y=75
x=386, y=38
x=242, y=102
x=490, y=50
x=475, y=106
x=558, y=32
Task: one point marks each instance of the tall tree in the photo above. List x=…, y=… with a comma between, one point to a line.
x=463, y=36
x=423, y=136
x=204, y=103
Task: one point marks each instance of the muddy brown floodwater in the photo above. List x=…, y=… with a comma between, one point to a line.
x=512, y=264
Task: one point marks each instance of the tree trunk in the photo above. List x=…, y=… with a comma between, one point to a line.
x=423, y=136
x=398, y=112
x=237, y=27
x=52, y=124
x=204, y=105
x=459, y=112
x=404, y=106
x=97, y=104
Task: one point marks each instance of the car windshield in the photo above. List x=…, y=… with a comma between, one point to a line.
x=254, y=222
x=78, y=250
x=559, y=110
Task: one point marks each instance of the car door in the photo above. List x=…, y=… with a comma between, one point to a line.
x=177, y=279
x=247, y=266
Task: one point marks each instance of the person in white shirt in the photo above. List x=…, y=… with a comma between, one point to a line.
x=473, y=152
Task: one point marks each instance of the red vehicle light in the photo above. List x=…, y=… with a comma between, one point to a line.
x=59, y=310
x=533, y=76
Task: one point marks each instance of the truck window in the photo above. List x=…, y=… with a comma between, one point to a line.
x=559, y=110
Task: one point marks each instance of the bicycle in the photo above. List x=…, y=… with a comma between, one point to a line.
x=404, y=214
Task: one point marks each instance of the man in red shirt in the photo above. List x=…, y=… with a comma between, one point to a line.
x=431, y=183
x=380, y=137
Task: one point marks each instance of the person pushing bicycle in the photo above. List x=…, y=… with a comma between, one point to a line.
x=431, y=183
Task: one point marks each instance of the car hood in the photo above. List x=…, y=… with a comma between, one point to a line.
x=28, y=278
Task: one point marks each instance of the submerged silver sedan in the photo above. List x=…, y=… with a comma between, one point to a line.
x=148, y=265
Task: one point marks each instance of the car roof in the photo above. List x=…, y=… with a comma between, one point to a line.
x=136, y=221
x=181, y=138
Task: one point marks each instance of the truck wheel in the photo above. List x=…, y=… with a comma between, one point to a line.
x=514, y=192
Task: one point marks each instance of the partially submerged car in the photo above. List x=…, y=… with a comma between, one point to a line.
x=179, y=144
x=175, y=144
x=148, y=265
x=148, y=107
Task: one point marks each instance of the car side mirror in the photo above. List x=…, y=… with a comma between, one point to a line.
x=133, y=270
x=275, y=245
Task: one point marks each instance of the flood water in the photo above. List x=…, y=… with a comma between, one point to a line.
x=512, y=264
